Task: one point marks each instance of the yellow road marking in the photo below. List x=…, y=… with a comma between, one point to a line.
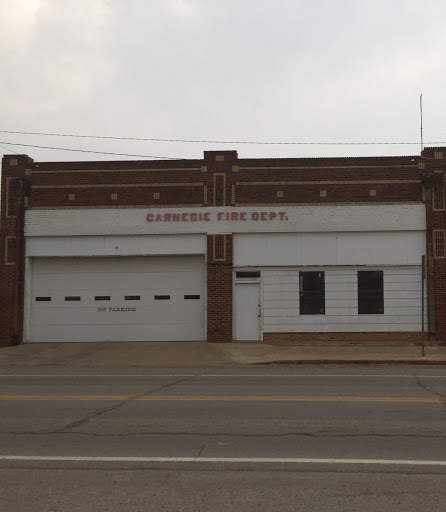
x=54, y=398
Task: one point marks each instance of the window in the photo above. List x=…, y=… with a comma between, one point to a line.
x=162, y=297
x=102, y=297
x=370, y=292
x=312, y=293
x=68, y=299
x=254, y=273
x=132, y=297
x=191, y=297
x=43, y=299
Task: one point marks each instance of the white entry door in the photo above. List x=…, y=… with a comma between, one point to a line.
x=247, y=308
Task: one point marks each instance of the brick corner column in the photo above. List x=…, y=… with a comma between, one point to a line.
x=434, y=180
x=219, y=288
x=15, y=169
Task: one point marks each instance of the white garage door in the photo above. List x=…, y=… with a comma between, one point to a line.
x=118, y=299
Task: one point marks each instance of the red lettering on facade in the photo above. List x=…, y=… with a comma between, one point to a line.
x=221, y=216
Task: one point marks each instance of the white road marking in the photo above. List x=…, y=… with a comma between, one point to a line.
x=230, y=460
x=152, y=375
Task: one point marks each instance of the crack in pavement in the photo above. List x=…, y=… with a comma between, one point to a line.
x=201, y=449
x=96, y=414
x=425, y=387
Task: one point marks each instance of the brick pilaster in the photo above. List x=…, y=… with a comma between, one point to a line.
x=219, y=288
x=435, y=182
x=14, y=191
x=219, y=166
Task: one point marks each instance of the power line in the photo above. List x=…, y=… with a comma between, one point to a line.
x=10, y=150
x=195, y=141
x=88, y=151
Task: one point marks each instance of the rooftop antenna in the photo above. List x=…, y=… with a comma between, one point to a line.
x=421, y=120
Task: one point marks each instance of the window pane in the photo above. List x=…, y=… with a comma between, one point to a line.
x=371, y=292
x=312, y=293
x=253, y=273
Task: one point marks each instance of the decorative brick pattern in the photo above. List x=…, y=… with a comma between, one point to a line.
x=10, y=250
x=219, y=189
x=11, y=195
x=219, y=289
x=439, y=243
x=438, y=195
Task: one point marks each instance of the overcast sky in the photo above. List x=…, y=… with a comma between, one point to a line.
x=315, y=71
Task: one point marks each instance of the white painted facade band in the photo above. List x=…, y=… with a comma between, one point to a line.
x=308, y=219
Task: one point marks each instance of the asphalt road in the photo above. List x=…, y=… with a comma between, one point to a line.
x=319, y=438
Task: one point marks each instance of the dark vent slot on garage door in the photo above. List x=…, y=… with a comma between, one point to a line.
x=191, y=297
x=255, y=273
x=162, y=297
x=72, y=299
x=43, y=299
x=102, y=297
x=132, y=297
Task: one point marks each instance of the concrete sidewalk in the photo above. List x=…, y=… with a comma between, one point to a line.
x=199, y=354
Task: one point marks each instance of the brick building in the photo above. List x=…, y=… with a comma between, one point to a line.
x=223, y=249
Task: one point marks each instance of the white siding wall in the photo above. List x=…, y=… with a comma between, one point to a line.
x=339, y=248
x=402, y=301
x=131, y=245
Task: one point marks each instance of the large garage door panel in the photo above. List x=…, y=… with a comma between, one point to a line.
x=171, y=292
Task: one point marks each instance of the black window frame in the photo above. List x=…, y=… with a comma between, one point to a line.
x=311, y=293
x=370, y=295
x=247, y=274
